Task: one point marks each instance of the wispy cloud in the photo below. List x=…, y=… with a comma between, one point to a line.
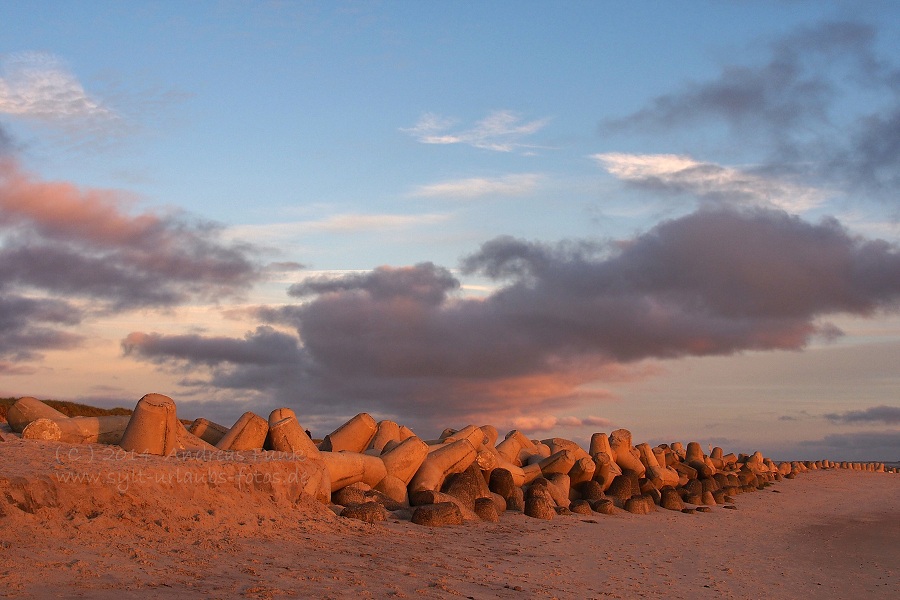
x=344, y=223
x=501, y=131
x=874, y=414
x=508, y=185
x=39, y=87
x=679, y=174
x=352, y=223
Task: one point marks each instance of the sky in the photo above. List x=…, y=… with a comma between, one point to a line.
x=677, y=218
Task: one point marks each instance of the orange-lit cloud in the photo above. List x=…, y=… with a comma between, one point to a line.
x=67, y=253
x=536, y=424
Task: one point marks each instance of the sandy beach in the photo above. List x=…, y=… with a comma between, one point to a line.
x=824, y=534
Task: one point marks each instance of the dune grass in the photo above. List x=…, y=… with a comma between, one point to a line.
x=70, y=409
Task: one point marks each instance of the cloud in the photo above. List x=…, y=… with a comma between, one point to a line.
x=533, y=424
x=792, y=105
x=792, y=89
x=475, y=187
x=68, y=253
x=877, y=414
x=501, y=131
x=862, y=445
x=678, y=174
x=281, y=234
x=403, y=342
x=38, y=87
x=28, y=325
x=351, y=223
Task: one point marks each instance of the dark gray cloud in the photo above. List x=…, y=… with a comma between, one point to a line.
x=81, y=247
x=400, y=342
x=875, y=414
x=858, y=446
x=793, y=88
x=28, y=325
x=794, y=105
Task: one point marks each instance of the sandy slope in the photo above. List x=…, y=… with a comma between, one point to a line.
x=825, y=534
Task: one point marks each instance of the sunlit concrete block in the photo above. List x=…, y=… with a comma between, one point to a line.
x=345, y=468
x=288, y=436
x=559, y=462
x=695, y=459
x=248, y=433
x=657, y=473
x=556, y=444
x=511, y=447
x=207, y=430
x=153, y=427
x=27, y=409
x=583, y=470
x=624, y=453
x=401, y=464
x=353, y=436
x=386, y=431
x=447, y=460
x=78, y=430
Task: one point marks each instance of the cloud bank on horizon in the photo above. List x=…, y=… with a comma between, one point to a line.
x=400, y=340
x=754, y=260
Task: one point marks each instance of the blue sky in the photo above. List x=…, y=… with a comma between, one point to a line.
x=681, y=219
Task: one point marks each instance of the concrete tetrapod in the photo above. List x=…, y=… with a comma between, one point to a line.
x=78, y=430
x=27, y=409
x=623, y=452
x=658, y=474
x=538, y=452
x=345, y=468
x=557, y=444
x=491, y=433
x=288, y=436
x=694, y=458
x=604, y=473
x=511, y=447
x=208, y=431
x=352, y=436
x=387, y=431
x=279, y=414
x=441, y=463
x=153, y=426
x=558, y=462
x=606, y=468
x=521, y=475
x=583, y=470
x=248, y=433
x=474, y=434
x=401, y=464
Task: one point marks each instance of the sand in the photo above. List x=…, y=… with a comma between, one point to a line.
x=824, y=534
